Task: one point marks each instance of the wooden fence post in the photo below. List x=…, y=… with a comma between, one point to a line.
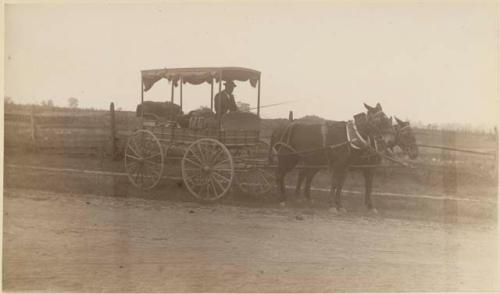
x=33, y=129
x=290, y=116
x=113, y=130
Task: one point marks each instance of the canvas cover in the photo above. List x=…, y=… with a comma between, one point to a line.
x=199, y=75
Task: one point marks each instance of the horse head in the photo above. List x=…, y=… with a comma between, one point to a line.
x=378, y=124
x=405, y=138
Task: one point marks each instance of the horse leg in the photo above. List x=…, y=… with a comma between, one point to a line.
x=337, y=181
x=368, y=175
x=300, y=179
x=333, y=189
x=280, y=179
x=285, y=165
x=307, y=187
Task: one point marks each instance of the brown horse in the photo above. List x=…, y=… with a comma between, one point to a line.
x=404, y=139
x=315, y=145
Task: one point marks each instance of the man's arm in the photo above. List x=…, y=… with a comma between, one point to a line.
x=232, y=104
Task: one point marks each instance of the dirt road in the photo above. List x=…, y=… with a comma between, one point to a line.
x=63, y=242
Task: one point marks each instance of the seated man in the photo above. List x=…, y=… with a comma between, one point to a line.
x=224, y=100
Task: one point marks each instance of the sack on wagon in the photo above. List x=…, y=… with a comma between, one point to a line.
x=159, y=110
x=239, y=120
x=202, y=118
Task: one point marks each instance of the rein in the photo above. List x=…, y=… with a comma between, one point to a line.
x=388, y=157
x=310, y=150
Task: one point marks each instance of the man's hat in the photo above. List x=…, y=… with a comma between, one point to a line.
x=230, y=83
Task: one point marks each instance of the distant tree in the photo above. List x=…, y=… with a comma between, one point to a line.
x=242, y=106
x=72, y=102
x=7, y=100
x=48, y=103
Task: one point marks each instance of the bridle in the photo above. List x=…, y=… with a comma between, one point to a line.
x=398, y=141
x=375, y=128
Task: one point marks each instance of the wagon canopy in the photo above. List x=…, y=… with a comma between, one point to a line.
x=199, y=75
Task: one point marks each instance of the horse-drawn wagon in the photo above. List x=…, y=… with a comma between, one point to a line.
x=212, y=156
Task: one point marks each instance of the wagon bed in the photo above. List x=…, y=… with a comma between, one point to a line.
x=212, y=158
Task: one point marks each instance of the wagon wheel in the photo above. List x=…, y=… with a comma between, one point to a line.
x=144, y=159
x=207, y=169
x=255, y=181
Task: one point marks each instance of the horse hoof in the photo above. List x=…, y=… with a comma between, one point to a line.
x=342, y=210
x=283, y=204
x=373, y=211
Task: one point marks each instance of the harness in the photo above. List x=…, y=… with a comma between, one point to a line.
x=354, y=141
x=284, y=141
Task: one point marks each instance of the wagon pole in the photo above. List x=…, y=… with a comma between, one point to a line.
x=456, y=149
x=274, y=104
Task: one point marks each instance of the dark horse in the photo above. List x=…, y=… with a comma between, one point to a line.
x=404, y=139
x=330, y=144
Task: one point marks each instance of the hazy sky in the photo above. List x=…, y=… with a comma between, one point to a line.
x=426, y=61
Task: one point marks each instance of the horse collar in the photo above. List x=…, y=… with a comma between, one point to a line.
x=355, y=139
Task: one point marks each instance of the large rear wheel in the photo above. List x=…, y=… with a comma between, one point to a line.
x=207, y=169
x=144, y=159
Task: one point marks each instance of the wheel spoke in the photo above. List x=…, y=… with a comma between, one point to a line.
x=228, y=180
x=157, y=173
x=132, y=164
x=133, y=150
x=222, y=163
x=202, y=154
x=132, y=172
x=154, y=163
x=213, y=186
x=192, y=169
x=152, y=156
x=136, y=174
x=218, y=184
x=131, y=156
x=192, y=176
x=138, y=153
x=147, y=180
x=192, y=162
x=216, y=157
x=265, y=180
x=222, y=170
x=196, y=156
